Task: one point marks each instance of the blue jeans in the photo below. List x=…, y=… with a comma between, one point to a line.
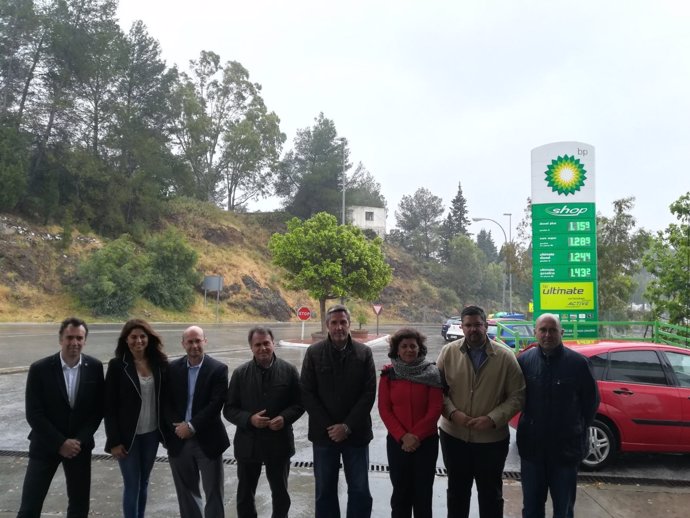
x=136, y=468
x=326, y=471
x=541, y=476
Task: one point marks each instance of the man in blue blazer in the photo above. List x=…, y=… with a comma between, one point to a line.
x=64, y=407
x=195, y=433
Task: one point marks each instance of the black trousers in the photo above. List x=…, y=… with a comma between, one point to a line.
x=248, y=478
x=39, y=475
x=412, y=476
x=479, y=462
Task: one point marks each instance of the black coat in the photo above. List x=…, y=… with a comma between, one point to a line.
x=275, y=390
x=339, y=387
x=561, y=401
x=209, y=394
x=123, y=402
x=48, y=413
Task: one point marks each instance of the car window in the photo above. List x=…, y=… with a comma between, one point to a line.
x=524, y=331
x=681, y=366
x=491, y=330
x=636, y=367
x=599, y=365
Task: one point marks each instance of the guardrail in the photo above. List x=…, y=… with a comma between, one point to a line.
x=641, y=331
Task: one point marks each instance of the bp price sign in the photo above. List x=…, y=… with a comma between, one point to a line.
x=564, y=233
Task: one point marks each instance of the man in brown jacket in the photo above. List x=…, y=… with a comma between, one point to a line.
x=485, y=390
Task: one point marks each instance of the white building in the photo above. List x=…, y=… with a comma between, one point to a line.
x=373, y=218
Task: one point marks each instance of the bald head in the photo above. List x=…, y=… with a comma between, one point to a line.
x=194, y=341
x=548, y=331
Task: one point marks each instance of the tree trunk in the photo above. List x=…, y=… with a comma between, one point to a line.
x=322, y=311
x=29, y=78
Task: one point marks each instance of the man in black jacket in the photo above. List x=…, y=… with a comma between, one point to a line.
x=561, y=401
x=338, y=383
x=195, y=433
x=64, y=406
x=263, y=401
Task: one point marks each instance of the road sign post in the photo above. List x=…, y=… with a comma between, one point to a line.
x=377, y=309
x=304, y=314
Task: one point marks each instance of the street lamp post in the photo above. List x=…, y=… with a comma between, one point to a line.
x=508, y=272
x=342, y=141
x=512, y=254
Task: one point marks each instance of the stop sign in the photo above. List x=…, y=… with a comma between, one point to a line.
x=303, y=313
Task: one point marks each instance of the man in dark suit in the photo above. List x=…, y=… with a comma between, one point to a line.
x=263, y=401
x=196, y=436
x=64, y=406
x=338, y=383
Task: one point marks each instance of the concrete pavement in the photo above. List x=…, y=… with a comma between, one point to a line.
x=594, y=500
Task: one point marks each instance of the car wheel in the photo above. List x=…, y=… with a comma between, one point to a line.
x=602, y=446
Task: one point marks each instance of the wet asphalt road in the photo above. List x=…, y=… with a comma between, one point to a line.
x=21, y=344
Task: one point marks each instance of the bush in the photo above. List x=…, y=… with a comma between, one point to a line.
x=109, y=281
x=172, y=276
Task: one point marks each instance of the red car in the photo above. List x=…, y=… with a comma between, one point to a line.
x=645, y=399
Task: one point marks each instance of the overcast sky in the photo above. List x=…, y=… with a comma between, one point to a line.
x=431, y=92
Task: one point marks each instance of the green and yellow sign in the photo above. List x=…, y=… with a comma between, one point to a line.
x=564, y=251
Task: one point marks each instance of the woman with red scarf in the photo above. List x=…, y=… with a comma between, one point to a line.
x=410, y=402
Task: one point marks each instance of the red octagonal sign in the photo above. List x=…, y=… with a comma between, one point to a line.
x=303, y=313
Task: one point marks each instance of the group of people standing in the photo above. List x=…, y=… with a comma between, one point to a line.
x=145, y=401
x=470, y=393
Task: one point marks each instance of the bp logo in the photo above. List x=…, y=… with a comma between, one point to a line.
x=566, y=175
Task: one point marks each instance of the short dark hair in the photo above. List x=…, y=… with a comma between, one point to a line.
x=400, y=335
x=337, y=309
x=261, y=330
x=154, y=349
x=470, y=311
x=74, y=322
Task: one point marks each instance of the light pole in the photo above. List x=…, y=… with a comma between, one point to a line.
x=510, y=268
x=508, y=272
x=342, y=141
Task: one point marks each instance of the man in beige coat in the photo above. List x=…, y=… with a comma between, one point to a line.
x=485, y=390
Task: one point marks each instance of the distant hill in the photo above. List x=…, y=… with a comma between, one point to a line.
x=37, y=268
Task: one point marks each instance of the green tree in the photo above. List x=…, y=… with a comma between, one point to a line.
x=143, y=165
x=363, y=189
x=330, y=260
x=456, y=222
x=465, y=269
x=224, y=131
x=172, y=276
x=110, y=280
x=418, y=216
x=619, y=257
x=486, y=244
x=522, y=266
x=493, y=285
x=19, y=39
x=14, y=161
x=310, y=175
x=668, y=261
x=251, y=154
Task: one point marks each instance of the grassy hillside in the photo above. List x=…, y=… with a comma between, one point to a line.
x=37, y=267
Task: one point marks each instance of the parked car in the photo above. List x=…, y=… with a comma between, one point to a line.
x=447, y=324
x=507, y=316
x=645, y=399
x=511, y=332
x=454, y=332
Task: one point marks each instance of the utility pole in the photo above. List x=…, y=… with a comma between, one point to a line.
x=512, y=254
x=342, y=141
